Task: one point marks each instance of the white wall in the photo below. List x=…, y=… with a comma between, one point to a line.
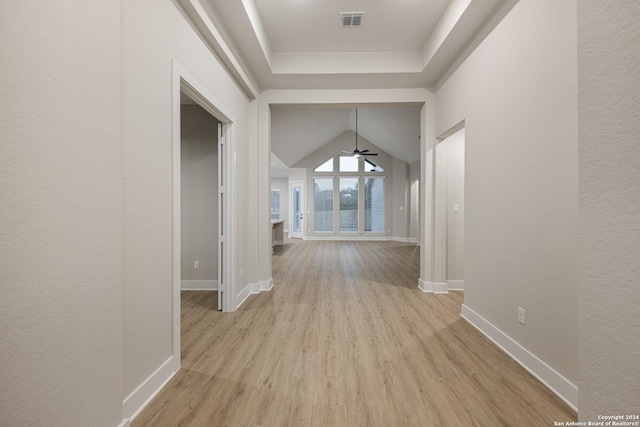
x=399, y=202
x=517, y=94
x=199, y=193
x=60, y=214
x=157, y=33
x=609, y=123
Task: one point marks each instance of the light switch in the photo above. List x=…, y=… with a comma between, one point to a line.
x=456, y=208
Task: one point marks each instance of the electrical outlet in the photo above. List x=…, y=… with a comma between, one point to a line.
x=196, y=265
x=521, y=317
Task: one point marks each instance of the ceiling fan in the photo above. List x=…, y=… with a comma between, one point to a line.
x=357, y=153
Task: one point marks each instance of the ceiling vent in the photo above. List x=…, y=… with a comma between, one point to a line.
x=351, y=19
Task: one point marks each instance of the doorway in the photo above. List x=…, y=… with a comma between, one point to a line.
x=199, y=177
x=297, y=209
x=215, y=262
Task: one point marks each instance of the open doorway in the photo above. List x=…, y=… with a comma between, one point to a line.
x=199, y=200
x=202, y=173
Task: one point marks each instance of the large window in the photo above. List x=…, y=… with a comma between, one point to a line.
x=348, y=196
x=349, y=204
x=323, y=204
x=374, y=205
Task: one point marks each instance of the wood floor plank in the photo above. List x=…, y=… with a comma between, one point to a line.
x=345, y=338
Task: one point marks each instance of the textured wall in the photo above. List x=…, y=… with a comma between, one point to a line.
x=60, y=214
x=609, y=123
x=517, y=95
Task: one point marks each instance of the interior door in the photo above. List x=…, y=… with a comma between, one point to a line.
x=221, y=217
x=297, y=209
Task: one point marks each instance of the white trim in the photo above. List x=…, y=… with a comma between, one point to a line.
x=405, y=239
x=425, y=286
x=207, y=23
x=266, y=285
x=562, y=387
x=126, y=422
x=252, y=289
x=243, y=295
x=440, y=288
x=141, y=396
x=199, y=285
x=456, y=285
x=375, y=237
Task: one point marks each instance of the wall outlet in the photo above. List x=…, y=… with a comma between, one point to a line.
x=521, y=317
x=196, y=265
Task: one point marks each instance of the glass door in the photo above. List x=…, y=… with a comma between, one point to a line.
x=297, y=210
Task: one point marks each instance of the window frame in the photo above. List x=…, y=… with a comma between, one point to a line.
x=362, y=174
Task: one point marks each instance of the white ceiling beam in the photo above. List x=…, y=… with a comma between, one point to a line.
x=346, y=63
x=450, y=18
x=258, y=28
x=203, y=18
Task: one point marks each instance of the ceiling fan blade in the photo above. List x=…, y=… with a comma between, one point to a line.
x=347, y=152
x=364, y=151
x=369, y=154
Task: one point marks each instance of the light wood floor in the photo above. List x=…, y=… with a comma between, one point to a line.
x=345, y=338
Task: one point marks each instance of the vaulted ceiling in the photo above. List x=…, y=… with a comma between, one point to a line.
x=293, y=44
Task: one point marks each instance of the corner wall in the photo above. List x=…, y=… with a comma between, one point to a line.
x=517, y=95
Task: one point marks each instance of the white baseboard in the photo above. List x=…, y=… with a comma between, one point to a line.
x=125, y=423
x=253, y=288
x=456, y=285
x=562, y=387
x=141, y=396
x=199, y=285
x=436, y=288
x=425, y=286
x=441, y=288
x=405, y=239
x=349, y=237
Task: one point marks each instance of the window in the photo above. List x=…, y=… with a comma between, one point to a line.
x=325, y=167
x=323, y=204
x=349, y=204
x=275, y=204
x=374, y=205
x=369, y=166
x=348, y=164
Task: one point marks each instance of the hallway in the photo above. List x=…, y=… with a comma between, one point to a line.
x=345, y=338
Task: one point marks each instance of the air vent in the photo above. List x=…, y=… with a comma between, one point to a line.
x=351, y=19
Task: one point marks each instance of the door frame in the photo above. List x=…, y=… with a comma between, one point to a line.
x=302, y=211
x=182, y=81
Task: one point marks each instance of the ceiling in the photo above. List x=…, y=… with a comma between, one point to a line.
x=300, y=44
x=297, y=132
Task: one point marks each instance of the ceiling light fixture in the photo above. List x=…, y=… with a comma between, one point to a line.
x=357, y=153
